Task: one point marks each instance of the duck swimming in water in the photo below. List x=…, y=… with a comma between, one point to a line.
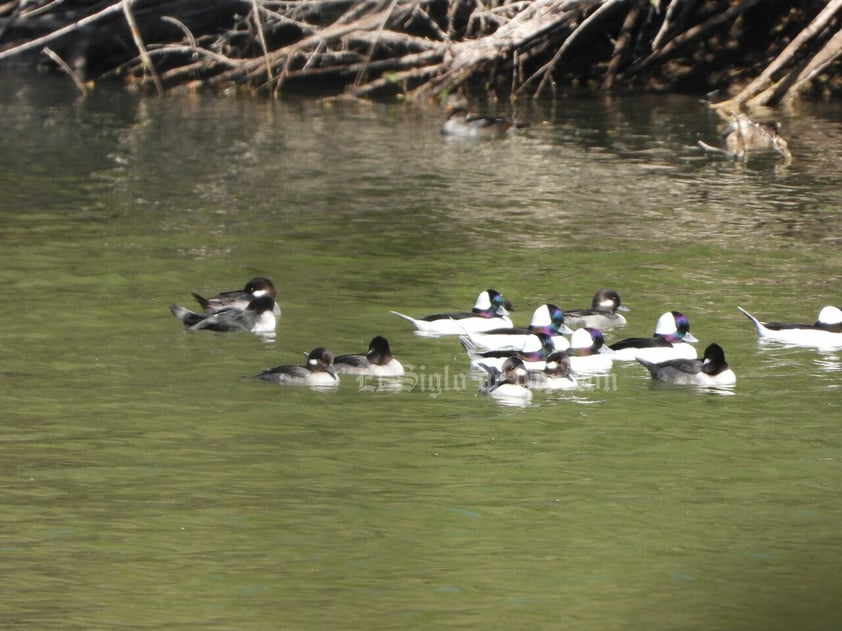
x=713, y=370
x=670, y=341
x=588, y=352
x=826, y=332
x=547, y=318
x=602, y=314
x=257, y=317
x=507, y=384
x=743, y=137
x=461, y=123
x=377, y=362
x=557, y=374
x=536, y=348
x=240, y=298
x=490, y=311
x=318, y=372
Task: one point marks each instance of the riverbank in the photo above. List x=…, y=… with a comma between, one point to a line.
x=750, y=52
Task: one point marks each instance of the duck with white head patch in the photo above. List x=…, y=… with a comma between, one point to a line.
x=490, y=311
x=588, y=352
x=602, y=314
x=547, y=319
x=534, y=352
x=318, y=372
x=711, y=371
x=557, y=374
x=671, y=341
x=826, y=332
x=508, y=383
x=240, y=298
x=257, y=317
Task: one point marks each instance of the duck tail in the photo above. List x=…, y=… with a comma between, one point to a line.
x=185, y=315
x=203, y=302
x=469, y=345
x=756, y=322
x=405, y=317
x=650, y=366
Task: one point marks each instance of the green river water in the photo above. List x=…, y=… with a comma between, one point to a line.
x=148, y=485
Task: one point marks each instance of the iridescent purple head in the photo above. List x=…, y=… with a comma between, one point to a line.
x=548, y=319
x=674, y=327
x=491, y=303
x=586, y=341
x=537, y=347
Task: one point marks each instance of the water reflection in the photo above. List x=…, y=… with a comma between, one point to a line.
x=828, y=362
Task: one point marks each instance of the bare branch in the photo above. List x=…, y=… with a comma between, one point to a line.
x=63, y=65
x=141, y=47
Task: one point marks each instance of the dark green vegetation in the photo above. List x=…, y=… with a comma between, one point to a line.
x=759, y=52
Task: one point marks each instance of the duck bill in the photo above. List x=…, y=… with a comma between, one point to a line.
x=623, y=308
x=689, y=337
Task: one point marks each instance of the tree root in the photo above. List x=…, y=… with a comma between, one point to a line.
x=424, y=49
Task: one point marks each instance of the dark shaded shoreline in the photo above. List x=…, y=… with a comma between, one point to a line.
x=752, y=52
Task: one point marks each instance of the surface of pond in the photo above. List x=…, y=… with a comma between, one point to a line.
x=147, y=484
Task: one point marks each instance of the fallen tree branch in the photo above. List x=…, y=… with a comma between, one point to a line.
x=827, y=55
x=373, y=44
x=536, y=21
x=261, y=37
x=787, y=54
x=423, y=48
x=144, y=56
x=183, y=28
x=693, y=34
x=67, y=69
x=70, y=28
x=622, y=46
x=666, y=25
x=545, y=71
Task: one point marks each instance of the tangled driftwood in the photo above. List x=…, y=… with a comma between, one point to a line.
x=425, y=48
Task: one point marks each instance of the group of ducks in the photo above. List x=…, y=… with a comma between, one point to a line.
x=741, y=136
x=254, y=309
x=540, y=356
x=516, y=360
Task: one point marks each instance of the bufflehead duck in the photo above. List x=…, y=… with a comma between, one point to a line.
x=744, y=136
x=547, y=318
x=826, y=332
x=463, y=124
x=490, y=311
x=670, y=341
x=317, y=372
x=557, y=374
x=507, y=384
x=602, y=315
x=240, y=298
x=256, y=318
x=536, y=348
x=588, y=352
x=711, y=371
x=377, y=362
